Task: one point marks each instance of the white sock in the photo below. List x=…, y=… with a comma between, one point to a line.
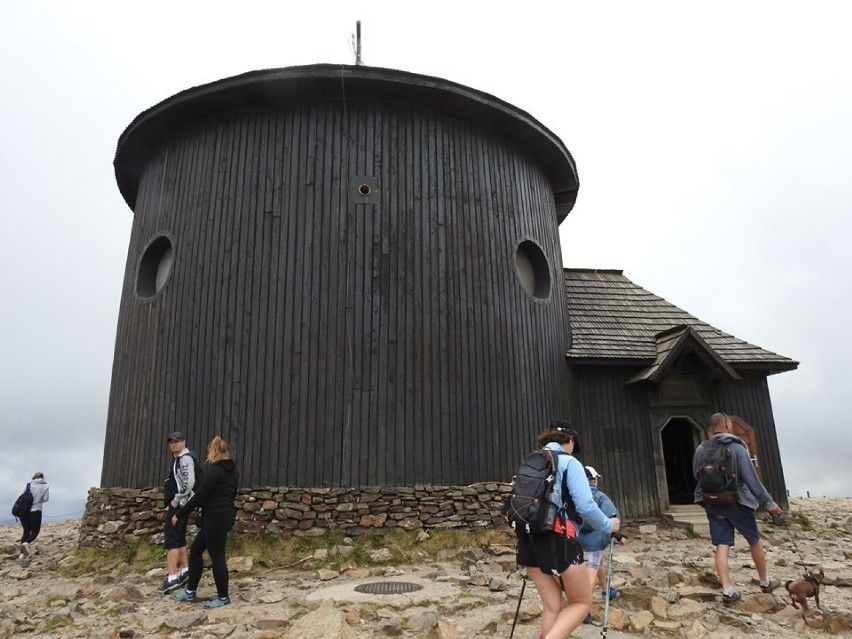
x=728, y=591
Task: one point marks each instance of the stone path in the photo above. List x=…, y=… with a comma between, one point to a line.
x=666, y=580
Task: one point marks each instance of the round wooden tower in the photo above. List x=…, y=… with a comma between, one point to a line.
x=352, y=274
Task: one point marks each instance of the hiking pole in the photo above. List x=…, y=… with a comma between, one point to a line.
x=520, y=598
x=617, y=536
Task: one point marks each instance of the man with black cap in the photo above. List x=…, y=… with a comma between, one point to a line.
x=178, y=488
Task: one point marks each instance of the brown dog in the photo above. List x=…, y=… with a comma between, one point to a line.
x=801, y=589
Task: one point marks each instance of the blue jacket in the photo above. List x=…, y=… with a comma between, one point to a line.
x=589, y=538
x=578, y=487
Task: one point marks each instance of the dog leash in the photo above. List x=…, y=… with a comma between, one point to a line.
x=780, y=519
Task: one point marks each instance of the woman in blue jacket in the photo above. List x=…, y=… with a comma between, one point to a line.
x=554, y=560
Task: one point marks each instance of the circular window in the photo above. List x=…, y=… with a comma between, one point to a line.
x=155, y=267
x=533, y=269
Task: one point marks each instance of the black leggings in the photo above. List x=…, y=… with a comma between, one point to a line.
x=32, y=526
x=212, y=538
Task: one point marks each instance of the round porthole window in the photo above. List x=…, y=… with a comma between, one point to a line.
x=533, y=269
x=155, y=267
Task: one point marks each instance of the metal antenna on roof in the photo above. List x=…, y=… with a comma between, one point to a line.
x=358, y=61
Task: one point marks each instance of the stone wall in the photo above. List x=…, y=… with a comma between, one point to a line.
x=122, y=516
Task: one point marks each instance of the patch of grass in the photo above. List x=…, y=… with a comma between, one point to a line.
x=804, y=521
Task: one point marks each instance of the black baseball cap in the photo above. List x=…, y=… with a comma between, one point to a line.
x=176, y=436
x=564, y=426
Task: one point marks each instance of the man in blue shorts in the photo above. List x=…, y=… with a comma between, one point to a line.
x=750, y=494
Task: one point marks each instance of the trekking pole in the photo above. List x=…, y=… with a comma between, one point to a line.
x=520, y=598
x=612, y=539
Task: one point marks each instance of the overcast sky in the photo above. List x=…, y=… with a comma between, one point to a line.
x=713, y=143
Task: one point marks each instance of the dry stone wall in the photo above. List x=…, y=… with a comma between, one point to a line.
x=122, y=516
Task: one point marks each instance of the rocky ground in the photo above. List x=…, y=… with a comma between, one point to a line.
x=666, y=580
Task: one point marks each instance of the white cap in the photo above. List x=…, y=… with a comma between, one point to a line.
x=591, y=473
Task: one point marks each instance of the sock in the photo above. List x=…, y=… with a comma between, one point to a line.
x=765, y=583
x=728, y=591
x=183, y=570
x=173, y=577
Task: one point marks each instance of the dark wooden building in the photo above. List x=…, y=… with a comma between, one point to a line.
x=645, y=376
x=353, y=274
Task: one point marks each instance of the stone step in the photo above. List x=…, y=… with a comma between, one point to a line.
x=691, y=517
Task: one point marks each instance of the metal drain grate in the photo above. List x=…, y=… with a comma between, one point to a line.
x=388, y=587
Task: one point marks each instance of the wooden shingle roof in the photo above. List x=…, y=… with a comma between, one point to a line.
x=614, y=320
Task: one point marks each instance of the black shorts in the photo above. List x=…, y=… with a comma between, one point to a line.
x=175, y=536
x=548, y=551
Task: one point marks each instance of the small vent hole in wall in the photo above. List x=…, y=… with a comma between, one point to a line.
x=533, y=269
x=155, y=267
x=365, y=190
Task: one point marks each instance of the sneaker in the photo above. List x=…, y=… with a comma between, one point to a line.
x=186, y=595
x=729, y=599
x=588, y=619
x=170, y=584
x=613, y=593
x=21, y=557
x=183, y=577
x=218, y=602
x=25, y=549
x=772, y=585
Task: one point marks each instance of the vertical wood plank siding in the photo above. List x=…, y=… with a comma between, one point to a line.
x=336, y=338
x=620, y=427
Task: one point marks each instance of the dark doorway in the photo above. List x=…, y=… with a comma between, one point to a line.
x=680, y=439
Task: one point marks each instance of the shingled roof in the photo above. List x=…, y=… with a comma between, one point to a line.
x=614, y=320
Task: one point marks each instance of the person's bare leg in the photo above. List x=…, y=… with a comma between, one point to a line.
x=172, y=555
x=578, y=592
x=759, y=558
x=722, y=552
x=183, y=558
x=601, y=576
x=551, y=597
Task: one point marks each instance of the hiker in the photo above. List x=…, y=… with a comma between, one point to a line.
x=178, y=487
x=594, y=542
x=216, y=496
x=748, y=493
x=554, y=561
x=31, y=521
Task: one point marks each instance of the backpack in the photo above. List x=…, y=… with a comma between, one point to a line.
x=529, y=506
x=23, y=503
x=717, y=480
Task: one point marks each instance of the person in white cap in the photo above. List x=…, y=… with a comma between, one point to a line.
x=593, y=542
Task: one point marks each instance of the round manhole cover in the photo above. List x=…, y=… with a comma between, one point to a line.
x=388, y=587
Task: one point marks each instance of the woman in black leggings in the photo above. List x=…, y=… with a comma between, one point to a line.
x=215, y=497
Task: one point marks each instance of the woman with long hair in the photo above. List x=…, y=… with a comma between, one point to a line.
x=554, y=559
x=215, y=497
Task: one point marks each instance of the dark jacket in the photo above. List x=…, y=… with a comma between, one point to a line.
x=217, y=491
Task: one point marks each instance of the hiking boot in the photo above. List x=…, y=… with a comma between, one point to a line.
x=186, y=595
x=170, y=584
x=613, y=593
x=729, y=599
x=772, y=585
x=218, y=602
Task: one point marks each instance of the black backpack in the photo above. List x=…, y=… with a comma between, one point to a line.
x=717, y=480
x=23, y=503
x=529, y=507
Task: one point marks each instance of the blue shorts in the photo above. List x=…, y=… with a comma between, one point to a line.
x=724, y=519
